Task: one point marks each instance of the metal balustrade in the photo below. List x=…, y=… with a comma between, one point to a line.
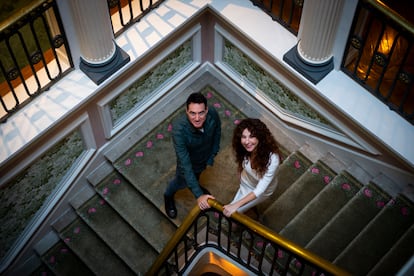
x=243, y=241
x=34, y=54
x=380, y=56
x=286, y=12
x=127, y=12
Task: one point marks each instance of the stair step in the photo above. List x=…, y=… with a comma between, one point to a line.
x=288, y=172
x=150, y=159
x=118, y=234
x=62, y=261
x=378, y=236
x=43, y=270
x=348, y=222
x=295, y=198
x=302, y=228
x=134, y=208
x=92, y=250
x=397, y=256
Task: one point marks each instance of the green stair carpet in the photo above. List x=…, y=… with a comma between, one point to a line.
x=378, y=236
x=295, y=198
x=100, y=258
x=397, y=256
x=348, y=222
x=288, y=172
x=60, y=260
x=311, y=219
x=117, y=234
x=140, y=213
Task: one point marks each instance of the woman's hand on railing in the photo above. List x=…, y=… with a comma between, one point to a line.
x=229, y=209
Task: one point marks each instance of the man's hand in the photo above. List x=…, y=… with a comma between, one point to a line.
x=202, y=201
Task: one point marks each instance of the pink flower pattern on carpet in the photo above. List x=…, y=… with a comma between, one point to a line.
x=314, y=170
x=404, y=211
x=367, y=192
x=280, y=254
x=128, y=162
x=380, y=204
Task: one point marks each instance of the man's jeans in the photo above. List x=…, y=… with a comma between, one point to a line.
x=177, y=183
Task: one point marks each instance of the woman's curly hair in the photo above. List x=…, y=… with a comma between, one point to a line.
x=267, y=145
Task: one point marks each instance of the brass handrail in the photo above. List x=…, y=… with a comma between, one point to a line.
x=255, y=227
x=15, y=16
x=175, y=239
x=393, y=15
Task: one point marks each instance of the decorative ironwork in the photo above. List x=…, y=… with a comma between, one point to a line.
x=380, y=59
x=25, y=42
x=113, y=3
x=36, y=57
x=263, y=253
x=356, y=42
x=299, y=3
x=287, y=13
x=405, y=77
x=380, y=55
x=12, y=74
x=58, y=41
x=124, y=13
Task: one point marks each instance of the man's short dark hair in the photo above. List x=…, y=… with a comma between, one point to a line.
x=196, y=97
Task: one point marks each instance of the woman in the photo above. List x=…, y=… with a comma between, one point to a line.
x=257, y=156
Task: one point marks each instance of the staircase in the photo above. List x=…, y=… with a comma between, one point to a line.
x=118, y=225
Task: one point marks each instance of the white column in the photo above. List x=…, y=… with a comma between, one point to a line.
x=94, y=31
x=317, y=31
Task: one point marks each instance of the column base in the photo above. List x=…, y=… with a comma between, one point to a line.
x=313, y=73
x=99, y=73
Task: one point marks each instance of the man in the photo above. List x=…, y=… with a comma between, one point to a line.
x=196, y=138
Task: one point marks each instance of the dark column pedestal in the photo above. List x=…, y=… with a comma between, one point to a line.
x=99, y=73
x=312, y=72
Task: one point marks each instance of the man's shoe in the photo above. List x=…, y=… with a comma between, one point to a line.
x=170, y=208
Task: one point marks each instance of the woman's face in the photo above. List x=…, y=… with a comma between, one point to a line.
x=248, y=141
